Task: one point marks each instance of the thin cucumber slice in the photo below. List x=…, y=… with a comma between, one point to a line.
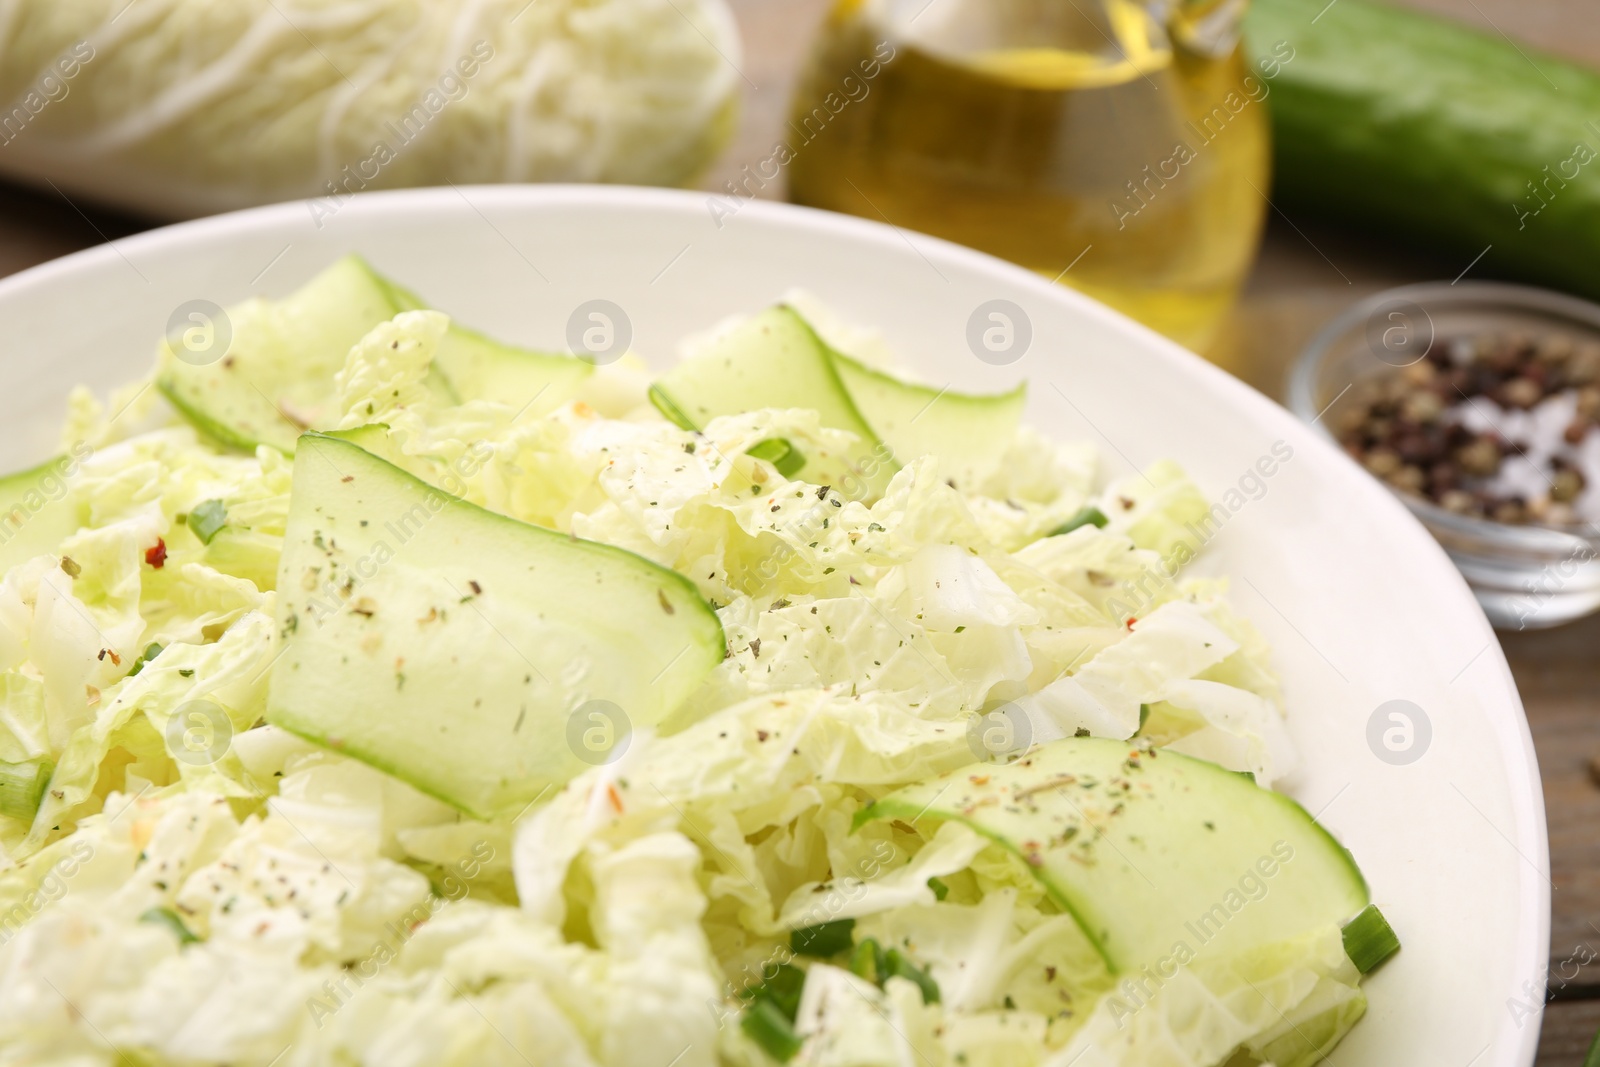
x=482, y=660
x=481, y=368
x=35, y=513
x=969, y=433
x=776, y=360
x=1369, y=940
x=275, y=378
x=1149, y=850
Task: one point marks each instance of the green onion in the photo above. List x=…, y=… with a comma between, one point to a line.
x=1369, y=939
x=1144, y=715
x=900, y=967
x=764, y=1024
x=780, y=453
x=782, y=989
x=940, y=890
x=150, y=652
x=206, y=518
x=869, y=962
x=22, y=787
x=168, y=918
x=1593, y=1058
x=1087, y=516
x=824, y=939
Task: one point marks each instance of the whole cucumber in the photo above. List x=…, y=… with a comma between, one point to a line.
x=1424, y=129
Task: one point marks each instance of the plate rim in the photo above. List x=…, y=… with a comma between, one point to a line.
x=1518, y=758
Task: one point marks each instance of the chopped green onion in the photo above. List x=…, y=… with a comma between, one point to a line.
x=900, y=967
x=168, y=918
x=150, y=652
x=824, y=939
x=782, y=989
x=22, y=787
x=780, y=453
x=764, y=1024
x=1087, y=516
x=206, y=518
x=1144, y=715
x=940, y=890
x=1369, y=939
x=869, y=962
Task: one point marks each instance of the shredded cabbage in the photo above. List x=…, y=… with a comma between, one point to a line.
x=277, y=903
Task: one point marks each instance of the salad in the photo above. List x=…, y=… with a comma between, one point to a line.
x=375, y=692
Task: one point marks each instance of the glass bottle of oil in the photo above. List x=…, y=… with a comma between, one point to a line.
x=1120, y=147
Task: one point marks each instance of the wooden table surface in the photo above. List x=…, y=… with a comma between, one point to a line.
x=1306, y=275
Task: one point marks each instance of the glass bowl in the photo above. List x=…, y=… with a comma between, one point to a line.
x=1526, y=577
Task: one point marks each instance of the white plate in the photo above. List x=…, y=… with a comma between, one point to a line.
x=1360, y=604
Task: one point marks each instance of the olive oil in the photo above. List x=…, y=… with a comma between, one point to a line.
x=1070, y=136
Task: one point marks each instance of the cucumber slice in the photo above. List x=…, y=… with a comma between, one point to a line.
x=1149, y=850
x=466, y=653
x=776, y=360
x=968, y=433
x=35, y=514
x=481, y=368
x=276, y=378
x=1422, y=129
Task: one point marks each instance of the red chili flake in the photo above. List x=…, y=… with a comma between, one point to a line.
x=614, y=796
x=157, y=556
x=1131, y=621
